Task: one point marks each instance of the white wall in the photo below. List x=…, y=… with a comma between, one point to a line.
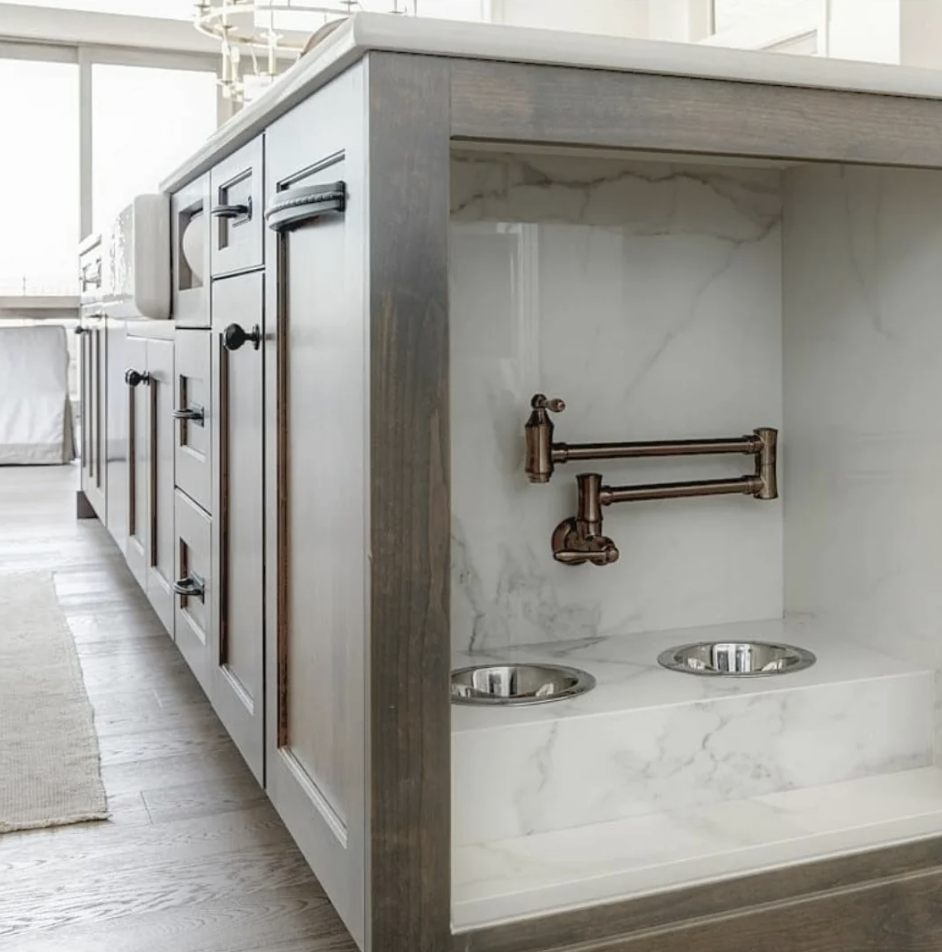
x=682, y=21
x=865, y=30
x=610, y=17
x=921, y=33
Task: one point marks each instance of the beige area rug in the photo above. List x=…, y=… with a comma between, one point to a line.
x=49, y=764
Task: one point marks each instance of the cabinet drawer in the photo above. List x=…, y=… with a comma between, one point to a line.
x=193, y=594
x=193, y=416
x=190, y=237
x=236, y=211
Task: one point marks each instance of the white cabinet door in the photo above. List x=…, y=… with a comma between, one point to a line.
x=316, y=504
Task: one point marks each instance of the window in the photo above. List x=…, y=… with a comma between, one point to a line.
x=165, y=9
x=145, y=122
x=39, y=177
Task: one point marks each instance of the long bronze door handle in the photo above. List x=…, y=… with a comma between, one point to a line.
x=296, y=205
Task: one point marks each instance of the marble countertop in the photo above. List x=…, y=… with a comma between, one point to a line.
x=366, y=32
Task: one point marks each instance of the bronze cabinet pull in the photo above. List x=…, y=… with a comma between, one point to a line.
x=233, y=211
x=191, y=415
x=81, y=330
x=234, y=336
x=90, y=275
x=190, y=587
x=297, y=205
x=134, y=378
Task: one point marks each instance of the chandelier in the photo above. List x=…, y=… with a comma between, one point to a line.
x=261, y=38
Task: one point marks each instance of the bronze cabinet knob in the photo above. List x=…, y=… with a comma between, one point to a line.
x=234, y=336
x=133, y=378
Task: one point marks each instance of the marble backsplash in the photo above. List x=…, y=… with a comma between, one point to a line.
x=648, y=296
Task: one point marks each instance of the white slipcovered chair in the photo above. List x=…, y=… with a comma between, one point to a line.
x=35, y=410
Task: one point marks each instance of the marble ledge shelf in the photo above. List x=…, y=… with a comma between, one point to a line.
x=629, y=676
x=551, y=872
x=648, y=740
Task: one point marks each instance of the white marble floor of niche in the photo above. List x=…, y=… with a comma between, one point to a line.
x=657, y=779
x=550, y=872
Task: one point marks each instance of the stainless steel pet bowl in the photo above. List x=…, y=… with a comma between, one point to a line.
x=739, y=659
x=503, y=684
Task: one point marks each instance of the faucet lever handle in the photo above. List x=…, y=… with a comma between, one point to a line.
x=542, y=402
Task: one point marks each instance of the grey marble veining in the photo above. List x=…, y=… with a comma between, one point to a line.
x=648, y=296
x=647, y=740
x=862, y=345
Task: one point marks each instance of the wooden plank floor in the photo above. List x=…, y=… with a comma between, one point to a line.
x=194, y=858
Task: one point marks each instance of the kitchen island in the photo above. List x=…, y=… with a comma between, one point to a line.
x=316, y=467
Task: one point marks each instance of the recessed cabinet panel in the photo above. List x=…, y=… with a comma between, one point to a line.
x=193, y=415
x=116, y=432
x=92, y=350
x=161, y=553
x=236, y=211
x=193, y=587
x=190, y=236
x=325, y=595
x=139, y=456
x=238, y=508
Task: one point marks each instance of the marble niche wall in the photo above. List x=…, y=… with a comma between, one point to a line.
x=648, y=296
x=863, y=408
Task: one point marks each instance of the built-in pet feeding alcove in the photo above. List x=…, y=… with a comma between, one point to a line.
x=689, y=298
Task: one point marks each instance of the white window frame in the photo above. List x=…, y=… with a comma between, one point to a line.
x=90, y=39
x=808, y=18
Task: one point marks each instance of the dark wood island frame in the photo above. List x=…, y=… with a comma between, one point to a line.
x=878, y=899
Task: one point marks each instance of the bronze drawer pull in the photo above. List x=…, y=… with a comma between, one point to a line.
x=190, y=587
x=91, y=275
x=298, y=205
x=191, y=415
x=233, y=211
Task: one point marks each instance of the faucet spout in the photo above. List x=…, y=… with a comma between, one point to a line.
x=579, y=539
